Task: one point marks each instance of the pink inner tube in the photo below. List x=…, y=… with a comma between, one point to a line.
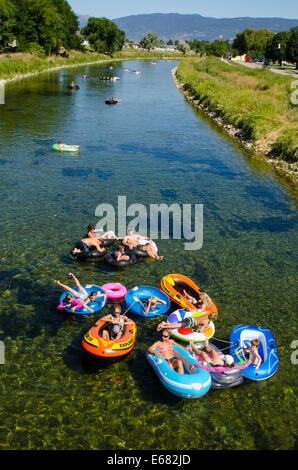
x=114, y=290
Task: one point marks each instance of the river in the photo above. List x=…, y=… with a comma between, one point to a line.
x=153, y=148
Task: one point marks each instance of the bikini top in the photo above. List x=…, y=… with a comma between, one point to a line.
x=165, y=348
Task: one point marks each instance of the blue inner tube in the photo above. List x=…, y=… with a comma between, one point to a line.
x=137, y=297
x=97, y=305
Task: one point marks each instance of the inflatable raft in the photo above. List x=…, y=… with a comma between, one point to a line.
x=189, y=334
x=174, y=285
x=108, y=352
x=97, y=305
x=187, y=385
x=243, y=334
x=66, y=148
x=231, y=377
x=136, y=298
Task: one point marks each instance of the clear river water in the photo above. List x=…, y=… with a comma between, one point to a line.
x=153, y=148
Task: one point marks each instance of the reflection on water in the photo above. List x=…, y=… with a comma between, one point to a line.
x=152, y=147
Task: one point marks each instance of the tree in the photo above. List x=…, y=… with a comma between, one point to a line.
x=149, y=41
x=244, y=40
x=277, y=47
x=103, y=35
x=7, y=22
x=219, y=48
x=292, y=47
x=183, y=47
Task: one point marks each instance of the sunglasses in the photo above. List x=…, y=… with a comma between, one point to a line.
x=165, y=336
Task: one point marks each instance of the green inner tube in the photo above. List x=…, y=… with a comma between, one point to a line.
x=66, y=148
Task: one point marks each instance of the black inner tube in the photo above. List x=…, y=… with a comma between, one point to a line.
x=110, y=259
x=92, y=254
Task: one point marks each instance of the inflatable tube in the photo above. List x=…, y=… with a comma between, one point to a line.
x=174, y=284
x=114, y=290
x=139, y=252
x=108, y=352
x=97, y=305
x=229, y=378
x=189, y=334
x=187, y=385
x=91, y=255
x=112, y=101
x=106, y=242
x=244, y=334
x=111, y=261
x=135, y=297
x=66, y=148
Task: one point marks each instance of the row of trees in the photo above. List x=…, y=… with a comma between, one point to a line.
x=45, y=25
x=263, y=43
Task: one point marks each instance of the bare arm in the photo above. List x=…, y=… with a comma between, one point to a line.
x=152, y=348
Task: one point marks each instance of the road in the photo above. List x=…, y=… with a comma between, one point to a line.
x=260, y=66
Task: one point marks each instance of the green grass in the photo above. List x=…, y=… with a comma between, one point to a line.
x=12, y=65
x=255, y=101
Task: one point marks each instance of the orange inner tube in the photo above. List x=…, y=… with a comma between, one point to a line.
x=95, y=344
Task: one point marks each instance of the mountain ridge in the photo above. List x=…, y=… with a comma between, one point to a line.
x=178, y=26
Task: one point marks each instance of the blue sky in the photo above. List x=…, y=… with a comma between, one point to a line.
x=215, y=8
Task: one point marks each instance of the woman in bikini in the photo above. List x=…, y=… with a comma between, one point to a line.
x=165, y=349
x=82, y=295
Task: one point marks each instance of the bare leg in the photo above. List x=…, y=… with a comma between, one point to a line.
x=151, y=252
x=77, y=282
x=70, y=289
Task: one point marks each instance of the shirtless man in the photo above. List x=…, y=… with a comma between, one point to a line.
x=92, y=232
x=86, y=243
x=133, y=240
x=165, y=349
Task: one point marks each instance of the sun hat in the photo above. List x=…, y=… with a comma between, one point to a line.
x=229, y=360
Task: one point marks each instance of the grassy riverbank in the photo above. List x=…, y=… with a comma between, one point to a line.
x=20, y=64
x=256, y=101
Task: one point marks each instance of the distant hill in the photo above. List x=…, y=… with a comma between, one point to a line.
x=188, y=27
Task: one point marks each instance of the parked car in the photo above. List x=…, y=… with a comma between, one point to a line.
x=267, y=64
x=248, y=59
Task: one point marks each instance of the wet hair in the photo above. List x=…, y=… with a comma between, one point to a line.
x=91, y=294
x=60, y=142
x=165, y=330
x=67, y=298
x=90, y=227
x=213, y=316
x=205, y=299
